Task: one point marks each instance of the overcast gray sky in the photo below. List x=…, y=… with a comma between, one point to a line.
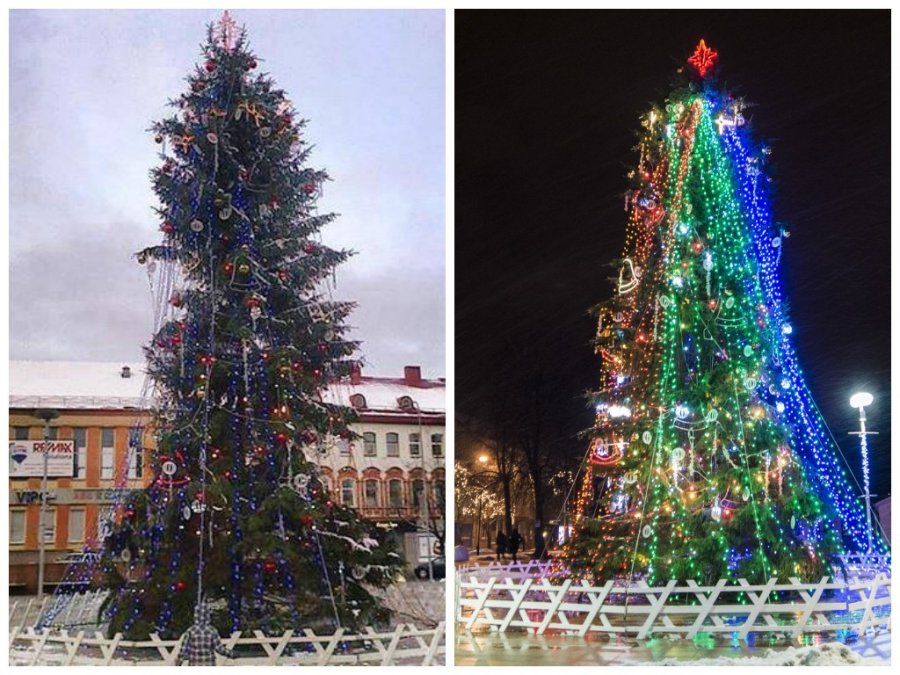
x=84, y=87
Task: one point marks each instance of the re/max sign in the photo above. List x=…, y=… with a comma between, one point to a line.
x=28, y=458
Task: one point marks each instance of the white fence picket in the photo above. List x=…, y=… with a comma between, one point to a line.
x=502, y=598
x=406, y=644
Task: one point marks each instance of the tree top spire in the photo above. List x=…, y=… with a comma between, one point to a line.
x=226, y=32
x=703, y=58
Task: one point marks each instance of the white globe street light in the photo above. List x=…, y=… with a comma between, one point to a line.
x=859, y=401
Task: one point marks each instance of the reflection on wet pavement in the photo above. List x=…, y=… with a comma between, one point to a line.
x=524, y=649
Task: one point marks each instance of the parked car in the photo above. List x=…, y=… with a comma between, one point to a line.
x=438, y=569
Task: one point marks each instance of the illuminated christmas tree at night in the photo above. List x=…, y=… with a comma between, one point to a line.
x=248, y=338
x=709, y=458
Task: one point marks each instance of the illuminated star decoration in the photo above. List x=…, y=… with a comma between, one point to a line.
x=227, y=30
x=703, y=58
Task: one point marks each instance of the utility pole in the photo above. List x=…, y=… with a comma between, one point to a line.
x=860, y=401
x=46, y=415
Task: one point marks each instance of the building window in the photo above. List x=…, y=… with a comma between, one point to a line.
x=439, y=488
x=52, y=433
x=406, y=403
x=17, y=526
x=20, y=433
x=415, y=445
x=80, y=434
x=107, y=453
x=395, y=494
x=370, y=446
x=136, y=453
x=344, y=446
x=437, y=445
x=393, y=445
x=358, y=401
x=418, y=489
x=347, y=486
x=371, y=489
x=76, y=525
x=49, y=526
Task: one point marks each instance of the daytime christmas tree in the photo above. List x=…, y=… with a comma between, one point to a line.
x=237, y=512
x=708, y=457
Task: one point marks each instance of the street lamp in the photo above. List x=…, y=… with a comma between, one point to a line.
x=860, y=400
x=45, y=415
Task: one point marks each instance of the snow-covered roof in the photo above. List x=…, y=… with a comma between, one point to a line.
x=383, y=394
x=100, y=386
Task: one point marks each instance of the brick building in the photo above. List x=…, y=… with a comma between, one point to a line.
x=394, y=474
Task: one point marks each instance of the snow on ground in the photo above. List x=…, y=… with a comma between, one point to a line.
x=829, y=654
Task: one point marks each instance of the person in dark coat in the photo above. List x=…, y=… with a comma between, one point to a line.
x=515, y=541
x=501, y=544
x=202, y=641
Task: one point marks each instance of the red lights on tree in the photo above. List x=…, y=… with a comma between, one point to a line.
x=703, y=58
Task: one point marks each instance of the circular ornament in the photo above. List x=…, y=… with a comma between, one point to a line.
x=359, y=572
x=748, y=351
x=265, y=132
x=678, y=454
x=776, y=242
x=793, y=522
x=196, y=225
x=225, y=213
x=712, y=415
x=647, y=531
x=631, y=477
x=708, y=264
x=126, y=555
x=746, y=496
x=647, y=437
x=750, y=384
x=212, y=138
x=186, y=512
x=729, y=303
x=169, y=468
x=664, y=301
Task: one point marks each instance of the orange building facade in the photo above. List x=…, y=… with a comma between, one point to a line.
x=394, y=474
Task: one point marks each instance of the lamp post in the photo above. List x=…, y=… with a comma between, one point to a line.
x=45, y=415
x=860, y=400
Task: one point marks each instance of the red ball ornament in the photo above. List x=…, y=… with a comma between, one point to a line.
x=309, y=248
x=309, y=188
x=317, y=373
x=228, y=268
x=306, y=521
x=281, y=437
x=179, y=586
x=211, y=66
x=168, y=228
x=270, y=566
x=251, y=64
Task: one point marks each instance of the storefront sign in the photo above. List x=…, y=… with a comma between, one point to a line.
x=26, y=459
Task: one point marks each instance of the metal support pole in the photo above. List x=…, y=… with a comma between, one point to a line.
x=45, y=415
x=865, y=467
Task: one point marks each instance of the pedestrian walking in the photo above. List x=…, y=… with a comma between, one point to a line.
x=202, y=641
x=501, y=545
x=515, y=541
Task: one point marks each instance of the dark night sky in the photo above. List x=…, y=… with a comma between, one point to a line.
x=547, y=107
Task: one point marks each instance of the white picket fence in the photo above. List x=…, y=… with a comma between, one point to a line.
x=522, y=596
x=58, y=611
x=405, y=645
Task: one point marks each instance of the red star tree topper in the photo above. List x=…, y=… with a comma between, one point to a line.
x=703, y=58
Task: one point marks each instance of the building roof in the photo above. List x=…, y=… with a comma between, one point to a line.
x=90, y=385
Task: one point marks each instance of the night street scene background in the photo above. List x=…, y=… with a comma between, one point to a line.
x=547, y=114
